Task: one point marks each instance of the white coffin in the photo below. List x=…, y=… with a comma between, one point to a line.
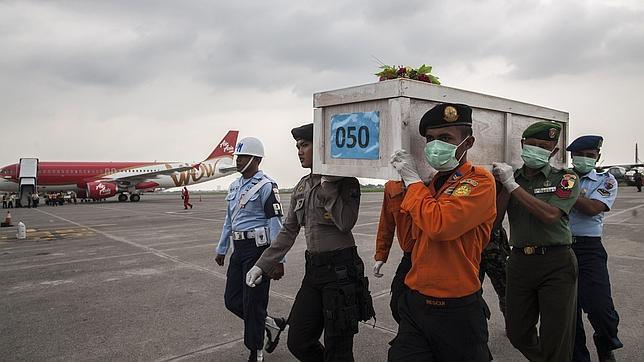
x=400, y=103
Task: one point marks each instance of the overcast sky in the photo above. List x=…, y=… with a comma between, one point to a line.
x=165, y=80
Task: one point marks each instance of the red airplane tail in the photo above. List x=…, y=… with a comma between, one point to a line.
x=226, y=146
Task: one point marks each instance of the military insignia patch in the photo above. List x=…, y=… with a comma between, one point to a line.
x=552, y=132
x=450, y=114
x=470, y=181
x=462, y=190
x=603, y=192
x=568, y=181
x=299, y=204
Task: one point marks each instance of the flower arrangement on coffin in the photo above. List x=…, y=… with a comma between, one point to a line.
x=423, y=73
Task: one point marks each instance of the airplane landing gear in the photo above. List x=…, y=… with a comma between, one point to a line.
x=135, y=198
x=122, y=197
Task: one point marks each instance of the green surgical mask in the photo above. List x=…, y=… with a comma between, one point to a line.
x=442, y=155
x=535, y=157
x=583, y=164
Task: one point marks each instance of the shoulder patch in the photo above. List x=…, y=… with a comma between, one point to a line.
x=462, y=190
x=603, y=192
x=568, y=181
x=609, y=184
x=470, y=182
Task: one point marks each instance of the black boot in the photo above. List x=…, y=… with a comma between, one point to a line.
x=277, y=327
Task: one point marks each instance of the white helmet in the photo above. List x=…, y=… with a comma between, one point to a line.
x=250, y=146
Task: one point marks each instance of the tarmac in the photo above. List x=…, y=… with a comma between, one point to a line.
x=138, y=281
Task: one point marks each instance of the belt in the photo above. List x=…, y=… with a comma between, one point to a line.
x=583, y=239
x=538, y=250
x=335, y=257
x=433, y=302
x=243, y=235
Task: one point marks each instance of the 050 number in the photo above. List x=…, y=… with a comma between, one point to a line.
x=349, y=138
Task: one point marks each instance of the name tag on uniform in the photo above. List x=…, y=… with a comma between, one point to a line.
x=545, y=190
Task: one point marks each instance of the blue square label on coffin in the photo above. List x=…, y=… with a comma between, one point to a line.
x=355, y=135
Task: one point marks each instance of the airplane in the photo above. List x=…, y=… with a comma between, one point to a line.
x=102, y=180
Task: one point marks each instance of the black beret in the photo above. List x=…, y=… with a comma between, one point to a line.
x=586, y=143
x=304, y=132
x=446, y=115
x=543, y=130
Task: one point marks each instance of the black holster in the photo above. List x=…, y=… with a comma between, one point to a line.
x=345, y=290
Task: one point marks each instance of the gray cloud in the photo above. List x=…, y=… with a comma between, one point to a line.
x=128, y=67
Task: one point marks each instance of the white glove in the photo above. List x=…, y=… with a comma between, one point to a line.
x=376, y=269
x=505, y=175
x=406, y=167
x=254, y=276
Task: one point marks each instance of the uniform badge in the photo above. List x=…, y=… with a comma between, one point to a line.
x=568, y=181
x=450, y=114
x=609, y=185
x=470, y=181
x=277, y=208
x=327, y=216
x=276, y=192
x=547, y=183
x=552, y=132
x=564, y=188
x=449, y=190
x=299, y=204
x=301, y=188
x=603, y=192
x=462, y=190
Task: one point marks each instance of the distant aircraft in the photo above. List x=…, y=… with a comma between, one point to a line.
x=102, y=180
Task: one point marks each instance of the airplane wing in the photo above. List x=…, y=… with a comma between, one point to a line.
x=136, y=178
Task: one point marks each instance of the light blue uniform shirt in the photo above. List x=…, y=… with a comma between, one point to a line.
x=254, y=214
x=595, y=186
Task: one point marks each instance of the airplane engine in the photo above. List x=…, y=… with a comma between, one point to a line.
x=101, y=190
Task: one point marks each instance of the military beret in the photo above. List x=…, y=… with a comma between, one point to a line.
x=585, y=143
x=544, y=130
x=446, y=115
x=304, y=132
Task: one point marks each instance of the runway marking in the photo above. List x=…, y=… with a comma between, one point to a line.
x=190, y=247
x=366, y=224
x=363, y=234
x=628, y=257
x=155, y=213
x=191, y=265
x=32, y=266
x=623, y=211
x=381, y=294
x=200, y=351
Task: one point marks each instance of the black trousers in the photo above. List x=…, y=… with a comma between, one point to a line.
x=245, y=302
x=316, y=310
x=594, y=298
x=542, y=288
x=434, y=329
x=398, y=286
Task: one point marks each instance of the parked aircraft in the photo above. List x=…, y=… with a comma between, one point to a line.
x=102, y=180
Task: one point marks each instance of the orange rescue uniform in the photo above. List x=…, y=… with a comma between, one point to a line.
x=455, y=224
x=392, y=220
